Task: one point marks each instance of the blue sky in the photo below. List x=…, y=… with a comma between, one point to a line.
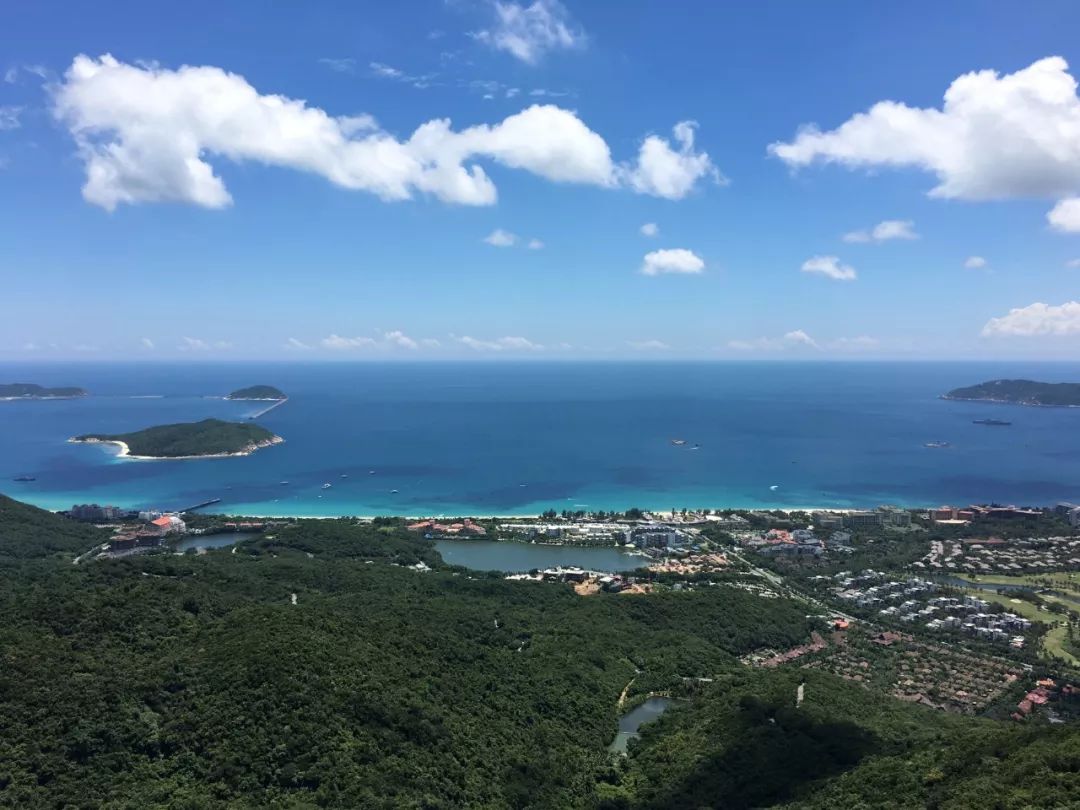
x=272, y=201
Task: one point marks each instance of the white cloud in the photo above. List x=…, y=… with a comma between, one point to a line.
x=995, y=137
x=529, y=32
x=430, y=343
x=1073, y=264
x=794, y=339
x=9, y=118
x=292, y=344
x=974, y=263
x=884, y=231
x=11, y=75
x=339, y=343
x=671, y=173
x=673, y=260
x=1035, y=320
x=401, y=340
x=648, y=345
x=501, y=238
x=1065, y=216
x=146, y=343
x=385, y=71
x=535, y=244
x=190, y=344
x=30, y=347
x=508, y=343
x=347, y=65
x=148, y=134
x=830, y=267
x=650, y=229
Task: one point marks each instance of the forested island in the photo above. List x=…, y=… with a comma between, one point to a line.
x=1021, y=392
x=321, y=666
x=34, y=391
x=259, y=392
x=206, y=439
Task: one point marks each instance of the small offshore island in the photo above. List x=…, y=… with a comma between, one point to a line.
x=258, y=392
x=210, y=438
x=1021, y=392
x=34, y=391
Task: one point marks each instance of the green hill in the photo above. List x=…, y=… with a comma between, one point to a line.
x=1020, y=392
x=33, y=391
x=210, y=437
x=27, y=532
x=258, y=392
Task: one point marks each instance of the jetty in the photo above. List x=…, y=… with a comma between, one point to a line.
x=210, y=502
x=269, y=408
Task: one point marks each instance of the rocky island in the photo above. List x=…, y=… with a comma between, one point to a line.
x=210, y=438
x=258, y=392
x=1021, y=392
x=33, y=391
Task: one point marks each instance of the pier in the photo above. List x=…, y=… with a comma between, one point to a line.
x=269, y=408
x=210, y=502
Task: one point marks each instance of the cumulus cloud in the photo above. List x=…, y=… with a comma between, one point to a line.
x=146, y=343
x=528, y=32
x=650, y=229
x=1073, y=264
x=854, y=344
x=504, y=344
x=830, y=267
x=535, y=244
x=671, y=173
x=995, y=136
x=673, y=260
x=1065, y=216
x=501, y=238
x=974, y=263
x=1036, y=320
x=148, y=134
x=339, y=343
x=400, y=340
x=293, y=344
x=190, y=344
x=794, y=339
x=648, y=345
x=9, y=118
x=884, y=231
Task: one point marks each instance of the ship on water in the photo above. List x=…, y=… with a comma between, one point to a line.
x=994, y=422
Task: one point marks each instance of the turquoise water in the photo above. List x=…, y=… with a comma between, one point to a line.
x=503, y=438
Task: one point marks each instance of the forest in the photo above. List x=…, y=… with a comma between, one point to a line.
x=209, y=437
x=197, y=681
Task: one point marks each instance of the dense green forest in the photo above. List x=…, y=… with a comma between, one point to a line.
x=210, y=437
x=1021, y=392
x=193, y=681
x=34, y=391
x=257, y=392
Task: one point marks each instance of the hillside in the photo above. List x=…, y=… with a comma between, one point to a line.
x=1020, y=392
x=261, y=392
x=210, y=437
x=194, y=681
x=34, y=391
x=27, y=532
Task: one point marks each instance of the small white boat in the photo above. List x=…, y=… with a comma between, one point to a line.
x=774, y=487
x=326, y=486
x=393, y=492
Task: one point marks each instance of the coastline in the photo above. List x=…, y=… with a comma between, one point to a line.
x=125, y=451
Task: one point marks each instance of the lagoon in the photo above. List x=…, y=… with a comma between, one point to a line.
x=634, y=719
x=514, y=557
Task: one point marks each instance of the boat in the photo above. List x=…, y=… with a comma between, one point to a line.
x=284, y=483
x=343, y=475
x=370, y=472
x=327, y=486
x=393, y=492
x=936, y=445
x=678, y=442
x=24, y=478
x=774, y=487
x=994, y=422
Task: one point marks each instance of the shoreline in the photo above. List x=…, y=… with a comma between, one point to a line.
x=125, y=451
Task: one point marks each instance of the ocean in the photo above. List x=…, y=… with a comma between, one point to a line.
x=502, y=438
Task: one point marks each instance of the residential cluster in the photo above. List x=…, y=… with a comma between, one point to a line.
x=994, y=554
x=906, y=601
x=1045, y=692
x=434, y=530
x=651, y=537
x=883, y=517
x=951, y=515
x=148, y=535
x=586, y=582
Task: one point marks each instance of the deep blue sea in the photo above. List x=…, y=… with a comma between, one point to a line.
x=518, y=438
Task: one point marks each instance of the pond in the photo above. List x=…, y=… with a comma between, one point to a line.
x=634, y=719
x=982, y=586
x=514, y=557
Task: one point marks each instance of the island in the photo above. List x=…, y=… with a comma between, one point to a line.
x=258, y=392
x=33, y=391
x=1021, y=392
x=210, y=438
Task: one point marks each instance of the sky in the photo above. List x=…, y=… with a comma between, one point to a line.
x=449, y=179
